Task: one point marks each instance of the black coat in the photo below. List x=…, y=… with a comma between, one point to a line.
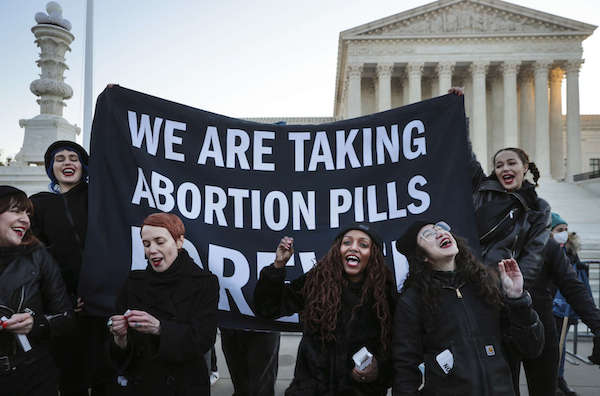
x=558, y=272
x=476, y=334
x=30, y=279
x=325, y=369
x=185, y=303
x=63, y=238
x=510, y=224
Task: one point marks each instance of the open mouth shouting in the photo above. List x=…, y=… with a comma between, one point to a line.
x=156, y=261
x=352, y=261
x=20, y=231
x=68, y=171
x=508, y=179
x=445, y=242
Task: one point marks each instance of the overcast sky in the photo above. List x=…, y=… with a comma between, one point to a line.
x=233, y=57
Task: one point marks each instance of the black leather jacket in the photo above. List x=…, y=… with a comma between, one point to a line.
x=527, y=224
x=31, y=280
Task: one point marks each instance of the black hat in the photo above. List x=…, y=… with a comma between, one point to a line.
x=5, y=191
x=63, y=144
x=407, y=243
x=366, y=228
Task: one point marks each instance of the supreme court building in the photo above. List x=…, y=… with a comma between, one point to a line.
x=511, y=61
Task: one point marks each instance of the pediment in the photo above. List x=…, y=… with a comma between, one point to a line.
x=469, y=18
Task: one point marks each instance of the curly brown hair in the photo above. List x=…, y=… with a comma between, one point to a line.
x=468, y=268
x=323, y=291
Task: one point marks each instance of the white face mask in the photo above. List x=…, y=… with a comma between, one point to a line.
x=561, y=237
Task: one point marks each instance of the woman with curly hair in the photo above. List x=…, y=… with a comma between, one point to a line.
x=345, y=303
x=454, y=317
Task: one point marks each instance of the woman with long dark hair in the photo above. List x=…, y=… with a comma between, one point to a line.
x=34, y=305
x=454, y=316
x=345, y=303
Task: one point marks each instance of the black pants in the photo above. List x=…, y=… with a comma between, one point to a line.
x=82, y=359
x=37, y=378
x=541, y=372
x=252, y=359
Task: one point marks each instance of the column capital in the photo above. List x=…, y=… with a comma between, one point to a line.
x=542, y=66
x=384, y=70
x=445, y=68
x=510, y=67
x=556, y=74
x=574, y=65
x=479, y=67
x=415, y=68
x=354, y=70
x=525, y=73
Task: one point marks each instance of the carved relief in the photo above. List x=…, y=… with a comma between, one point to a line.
x=465, y=18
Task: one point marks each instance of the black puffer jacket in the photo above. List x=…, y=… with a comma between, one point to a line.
x=477, y=334
x=510, y=224
x=325, y=369
x=184, y=298
x=30, y=279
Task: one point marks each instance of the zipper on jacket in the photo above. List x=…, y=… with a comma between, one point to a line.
x=22, y=298
x=508, y=215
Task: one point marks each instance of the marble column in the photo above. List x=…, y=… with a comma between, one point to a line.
x=496, y=136
x=354, y=73
x=444, y=71
x=573, y=120
x=527, y=110
x=542, y=120
x=415, y=72
x=511, y=126
x=556, y=136
x=384, y=86
x=479, y=113
x=404, y=78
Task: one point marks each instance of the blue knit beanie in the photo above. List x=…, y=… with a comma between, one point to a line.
x=557, y=220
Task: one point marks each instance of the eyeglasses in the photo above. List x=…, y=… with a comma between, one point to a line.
x=431, y=233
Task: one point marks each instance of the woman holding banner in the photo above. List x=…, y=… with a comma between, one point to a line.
x=34, y=305
x=454, y=316
x=167, y=317
x=345, y=303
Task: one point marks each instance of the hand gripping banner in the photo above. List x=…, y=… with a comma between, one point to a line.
x=240, y=186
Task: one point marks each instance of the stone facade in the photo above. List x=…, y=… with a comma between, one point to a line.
x=504, y=55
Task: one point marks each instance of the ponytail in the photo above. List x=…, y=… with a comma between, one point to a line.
x=535, y=172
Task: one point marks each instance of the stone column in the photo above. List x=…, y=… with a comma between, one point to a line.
x=556, y=136
x=511, y=127
x=444, y=71
x=542, y=120
x=53, y=37
x=415, y=72
x=495, y=105
x=573, y=120
x=479, y=113
x=384, y=86
x=527, y=118
x=404, y=78
x=354, y=73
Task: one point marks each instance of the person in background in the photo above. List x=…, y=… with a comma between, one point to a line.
x=453, y=316
x=574, y=296
x=34, y=305
x=345, y=303
x=166, y=317
x=557, y=272
x=60, y=222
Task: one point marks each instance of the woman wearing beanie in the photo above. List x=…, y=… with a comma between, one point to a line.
x=34, y=305
x=574, y=296
x=60, y=222
x=345, y=304
x=453, y=316
x=166, y=317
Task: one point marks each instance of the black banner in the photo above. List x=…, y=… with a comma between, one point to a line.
x=240, y=186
